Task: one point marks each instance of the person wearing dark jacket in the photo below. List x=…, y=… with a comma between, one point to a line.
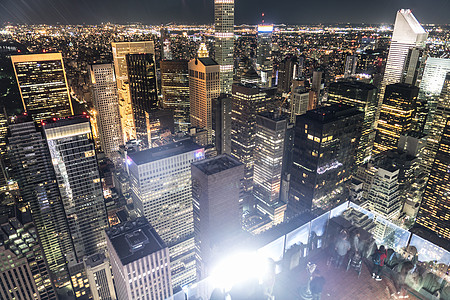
x=378, y=262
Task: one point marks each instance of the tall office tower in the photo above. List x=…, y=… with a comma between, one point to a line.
x=414, y=66
x=166, y=51
x=175, y=90
x=217, y=217
x=139, y=260
x=119, y=51
x=247, y=101
x=75, y=163
x=143, y=93
x=384, y=194
x=317, y=86
x=224, y=41
x=325, y=145
x=264, y=63
x=204, y=86
x=202, y=51
x=98, y=272
x=268, y=156
x=222, y=123
x=300, y=102
x=24, y=273
x=43, y=85
x=434, y=210
x=33, y=170
x=396, y=115
x=351, y=62
x=408, y=33
x=363, y=96
x=431, y=85
x=286, y=73
x=3, y=157
x=441, y=115
x=161, y=188
x=106, y=103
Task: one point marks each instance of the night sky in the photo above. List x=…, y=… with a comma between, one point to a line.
x=201, y=11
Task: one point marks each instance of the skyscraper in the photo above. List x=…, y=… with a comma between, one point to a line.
x=264, y=63
x=325, y=144
x=434, y=210
x=75, y=164
x=33, y=170
x=98, y=272
x=106, y=103
x=217, y=217
x=143, y=93
x=408, y=33
x=43, y=85
x=175, y=90
x=396, y=115
x=222, y=123
x=441, y=115
x=119, y=51
x=350, y=65
x=224, y=41
x=24, y=273
x=268, y=157
x=414, y=66
x=248, y=101
x=286, y=73
x=161, y=188
x=139, y=260
x=204, y=87
x=364, y=97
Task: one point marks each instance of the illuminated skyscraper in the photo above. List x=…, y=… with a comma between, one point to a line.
x=3, y=157
x=139, y=260
x=33, y=170
x=408, y=33
x=24, y=273
x=414, y=66
x=175, y=90
x=286, y=73
x=143, y=93
x=43, y=85
x=396, y=115
x=441, y=115
x=119, y=51
x=224, y=41
x=434, y=210
x=202, y=51
x=161, y=188
x=75, y=163
x=106, y=103
x=432, y=84
x=264, y=63
x=204, y=87
x=364, y=97
x=217, y=217
x=268, y=157
x=247, y=101
x=325, y=145
x=350, y=66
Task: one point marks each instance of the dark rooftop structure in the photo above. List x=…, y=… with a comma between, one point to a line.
x=149, y=155
x=95, y=259
x=134, y=240
x=207, y=61
x=332, y=113
x=217, y=164
x=58, y=122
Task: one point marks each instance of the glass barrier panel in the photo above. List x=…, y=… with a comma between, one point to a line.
x=337, y=211
x=317, y=232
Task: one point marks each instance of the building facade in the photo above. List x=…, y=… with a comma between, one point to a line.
x=224, y=41
x=106, y=103
x=43, y=85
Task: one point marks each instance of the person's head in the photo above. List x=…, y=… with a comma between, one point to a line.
x=382, y=249
x=357, y=233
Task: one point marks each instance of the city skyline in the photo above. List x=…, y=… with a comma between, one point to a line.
x=201, y=12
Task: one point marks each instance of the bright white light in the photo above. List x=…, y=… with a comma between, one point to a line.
x=239, y=268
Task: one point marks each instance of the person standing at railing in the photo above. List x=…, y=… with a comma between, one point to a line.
x=342, y=247
x=378, y=262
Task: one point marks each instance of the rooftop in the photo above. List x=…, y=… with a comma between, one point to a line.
x=207, y=61
x=134, y=240
x=153, y=154
x=217, y=164
x=334, y=112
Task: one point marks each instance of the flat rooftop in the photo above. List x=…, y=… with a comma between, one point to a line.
x=134, y=240
x=334, y=112
x=208, y=61
x=153, y=154
x=217, y=164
